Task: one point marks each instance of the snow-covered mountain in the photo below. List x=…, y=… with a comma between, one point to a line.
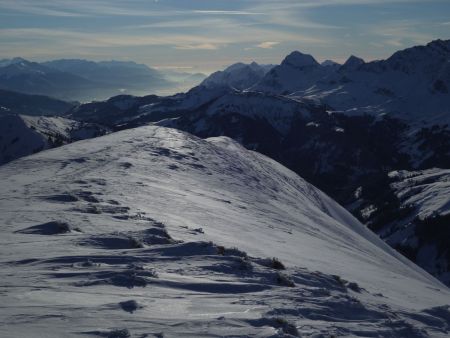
x=126, y=75
x=297, y=72
x=113, y=111
x=258, y=121
x=22, y=135
x=414, y=217
x=79, y=80
x=154, y=232
x=129, y=111
x=7, y=62
x=413, y=84
x=238, y=76
x=33, y=78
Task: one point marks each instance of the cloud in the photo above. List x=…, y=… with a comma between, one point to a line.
x=291, y=4
x=193, y=22
x=44, y=8
x=267, y=44
x=86, y=39
x=200, y=46
x=86, y=8
x=226, y=12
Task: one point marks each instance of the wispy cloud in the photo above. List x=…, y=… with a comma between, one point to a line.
x=44, y=8
x=85, y=8
x=64, y=37
x=267, y=44
x=191, y=22
x=85, y=39
x=200, y=46
x=217, y=12
x=291, y=4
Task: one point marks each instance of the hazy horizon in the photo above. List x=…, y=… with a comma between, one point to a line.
x=203, y=36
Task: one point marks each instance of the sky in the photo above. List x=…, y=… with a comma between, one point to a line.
x=206, y=35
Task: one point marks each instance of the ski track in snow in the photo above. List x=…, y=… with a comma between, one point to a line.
x=151, y=232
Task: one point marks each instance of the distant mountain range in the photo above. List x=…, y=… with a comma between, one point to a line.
x=82, y=80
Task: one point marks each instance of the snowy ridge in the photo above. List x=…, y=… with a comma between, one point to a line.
x=154, y=232
x=278, y=111
x=239, y=76
x=297, y=72
x=413, y=84
x=23, y=135
x=427, y=190
x=413, y=217
x=423, y=234
x=237, y=111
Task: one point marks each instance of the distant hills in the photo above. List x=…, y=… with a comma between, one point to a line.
x=34, y=105
x=82, y=80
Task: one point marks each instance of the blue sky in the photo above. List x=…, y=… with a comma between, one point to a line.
x=204, y=35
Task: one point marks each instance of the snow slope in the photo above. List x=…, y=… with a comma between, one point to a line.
x=297, y=72
x=22, y=135
x=427, y=190
x=239, y=76
x=424, y=232
x=277, y=111
x=153, y=232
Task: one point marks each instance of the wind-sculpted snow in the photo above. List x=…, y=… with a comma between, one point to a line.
x=151, y=232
